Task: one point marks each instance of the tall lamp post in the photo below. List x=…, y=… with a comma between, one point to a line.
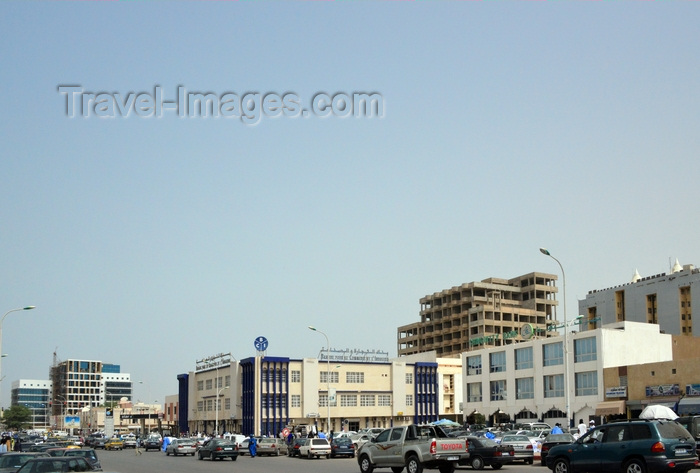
x=328, y=375
x=216, y=424
x=546, y=252
x=29, y=307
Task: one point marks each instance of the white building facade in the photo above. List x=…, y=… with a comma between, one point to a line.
x=525, y=381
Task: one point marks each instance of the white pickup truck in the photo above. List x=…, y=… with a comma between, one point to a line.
x=414, y=447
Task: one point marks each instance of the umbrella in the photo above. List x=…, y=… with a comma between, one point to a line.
x=657, y=411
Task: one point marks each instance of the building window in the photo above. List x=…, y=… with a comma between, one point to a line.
x=200, y=385
x=524, y=388
x=409, y=378
x=210, y=404
x=296, y=376
x=200, y=406
x=498, y=390
x=384, y=400
x=523, y=358
x=497, y=362
x=325, y=376
x=228, y=380
x=474, y=392
x=587, y=383
x=367, y=400
x=323, y=400
x=554, y=385
x=553, y=354
x=348, y=400
x=585, y=350
x=227, y=403
x=208, y=384
x=296, y=400
x=473, y=365
x=409, y=400
x=354, y=377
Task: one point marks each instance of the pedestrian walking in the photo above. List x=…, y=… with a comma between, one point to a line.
x=252, y=446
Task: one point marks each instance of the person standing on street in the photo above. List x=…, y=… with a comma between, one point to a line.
x=252, y=446
x=581, y=427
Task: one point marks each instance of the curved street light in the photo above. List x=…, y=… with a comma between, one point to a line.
x=29, y=307
x=546, y=252
x=328, y=375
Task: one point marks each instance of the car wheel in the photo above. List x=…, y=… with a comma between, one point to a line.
x=309, y=455
x=530, y=461
x=201, y=457
x=328, y=456
x=167, y=453
x=413, y=465
x=635, y=466
x=477, y=463
x=496, y=466
x=561, y=466
x=367, y=467
x=192, y=453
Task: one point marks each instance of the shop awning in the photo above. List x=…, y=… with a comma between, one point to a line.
x=610, y=408
x=689, y=406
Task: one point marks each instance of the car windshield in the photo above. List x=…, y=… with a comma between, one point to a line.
x=515, y=438
x=673, y=430
x=559, y=438
x=487, y=442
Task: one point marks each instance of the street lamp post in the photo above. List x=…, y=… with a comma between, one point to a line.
x=29, y=307
x=328, y=374
x=567, y=395
x=216, y=423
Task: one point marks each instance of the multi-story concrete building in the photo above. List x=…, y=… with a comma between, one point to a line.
x=525, y=381
x=262, y=395
x=79, y=384
x=664, y=299
x=36, y=395
x=488, y=313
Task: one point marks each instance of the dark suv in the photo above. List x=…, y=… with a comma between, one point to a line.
x=634, y=446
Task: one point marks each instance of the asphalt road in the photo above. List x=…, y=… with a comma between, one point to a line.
x=126, y=461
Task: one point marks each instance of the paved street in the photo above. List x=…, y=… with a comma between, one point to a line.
x=156, y=462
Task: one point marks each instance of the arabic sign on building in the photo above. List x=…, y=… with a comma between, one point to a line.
x=663, y=390
x=618, y=391
x=692, y=389
x=366, y=356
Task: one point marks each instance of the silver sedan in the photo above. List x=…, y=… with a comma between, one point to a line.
x=522, y=446
x=181, y=447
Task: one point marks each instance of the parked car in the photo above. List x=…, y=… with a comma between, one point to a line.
x=152, y=443
x=360, y=439
x=243, y=447
x=522, y=446
x=486, y=452
x=218, y=449
x=315, y=447
x=552, y=440
x=692, y=425
x=269, y=446
x=650, y=446
x=181, y=447
x=55, y=464
x=114, y=444
x=88, y=454
x=12, y=461
x=342, y=447
x=99, y=442
x=292, y=449
x=129, y=441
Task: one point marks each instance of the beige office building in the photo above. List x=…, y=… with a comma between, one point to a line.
x=490, y=313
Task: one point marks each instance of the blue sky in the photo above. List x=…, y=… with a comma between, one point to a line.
x=153, y=242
